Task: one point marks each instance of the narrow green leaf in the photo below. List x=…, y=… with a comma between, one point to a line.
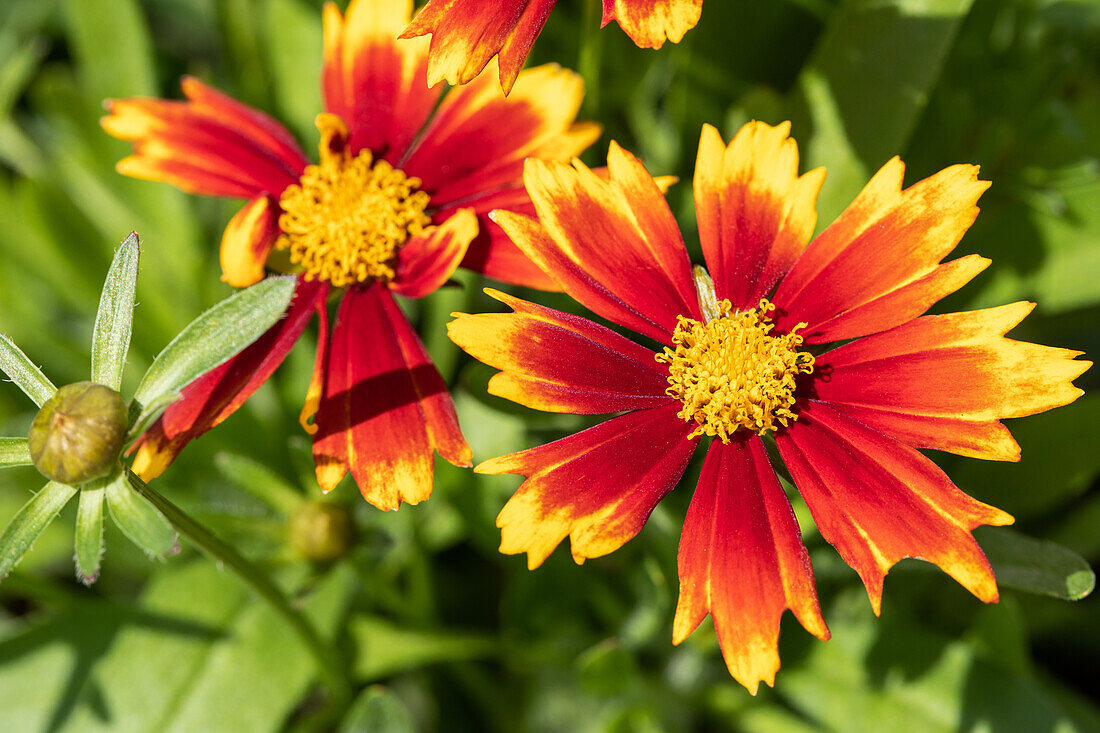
x=260, y=481
x=140, y=521
x=215, y=336
x=29, y=522
x=89, y=533
x=377, y=710
x=1036, y=566
x=111, y=337
x=14, y=452
x=24, y=373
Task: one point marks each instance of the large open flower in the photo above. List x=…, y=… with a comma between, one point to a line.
x=396, y=202
x=747, y=360
x=467, y=34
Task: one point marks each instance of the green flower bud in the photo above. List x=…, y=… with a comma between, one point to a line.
x=78, y=434
x=321, y=531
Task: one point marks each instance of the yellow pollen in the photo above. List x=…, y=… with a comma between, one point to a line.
x=346, y=218
x=731, y=373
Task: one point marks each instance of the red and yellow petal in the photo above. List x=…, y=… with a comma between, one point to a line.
x=428, y=260
x=248, y=239
x=876, y=266
x=559, y=362
x=477, y=141
x=467, y=34
x=217, y=394
x=596, y=487
x=742, y=560
x=612, y=245
x=945, y=382
x=755, y=212
x=210, y=144
x=375, y=83
x=385, y=410
x=650, y=22
x=492, y=253
x=877, y=500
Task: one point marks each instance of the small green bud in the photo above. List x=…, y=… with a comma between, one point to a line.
x=321, y=531
x=78, y=434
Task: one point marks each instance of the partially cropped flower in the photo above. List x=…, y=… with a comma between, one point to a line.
x=77, y=438
x=467, y=34
x=747, y=357
x=397, y=200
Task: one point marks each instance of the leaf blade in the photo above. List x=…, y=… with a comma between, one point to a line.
x=89, y=534
x=24, y=373
x=29, y=522
x=14, y=452
x=1036, y=566
x=139, y=520
x=215, y=336
x=113, y=323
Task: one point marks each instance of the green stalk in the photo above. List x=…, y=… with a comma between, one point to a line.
x=328, y=662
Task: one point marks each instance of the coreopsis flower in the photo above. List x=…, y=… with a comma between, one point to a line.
x=467, y=34
x=397, y=200
x=822, y=348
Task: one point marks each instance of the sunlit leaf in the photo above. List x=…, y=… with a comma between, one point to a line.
x=14, y=452
x=214, y=337
x=24, y=373
x=377, y=710
x=89, y=533
x=111, y=337
x=1036, y=566
x=25, y=526
x=139, y=520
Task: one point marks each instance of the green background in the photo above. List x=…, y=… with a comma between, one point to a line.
x=438, y=630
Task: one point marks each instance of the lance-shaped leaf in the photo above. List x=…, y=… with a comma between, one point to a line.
x=111, y=337
x=212, y=338
x=1036, y=566
x=29, y=522
x=14, y=452
x=89, y=532
x=139, y=520
x=24, y=373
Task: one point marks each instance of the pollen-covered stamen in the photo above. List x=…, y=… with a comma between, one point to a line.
x=731, y=373
x=346, y=218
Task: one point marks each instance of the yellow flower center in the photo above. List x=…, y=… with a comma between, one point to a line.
x=731, y=373
x=346, y=218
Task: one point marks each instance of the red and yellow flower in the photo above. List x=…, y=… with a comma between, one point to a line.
x=467, y=34
x=745, y=356
x=397, y=201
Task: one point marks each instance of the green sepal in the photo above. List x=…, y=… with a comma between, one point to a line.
x=29, y=522
x=24, y=373
x=89, y=532
x=1036, y=566
x=148, y=415
x=111, y=337
x=14, y=452
x=213, y=338
x=140, y=521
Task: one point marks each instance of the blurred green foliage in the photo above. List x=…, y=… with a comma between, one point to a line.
x=438, y=630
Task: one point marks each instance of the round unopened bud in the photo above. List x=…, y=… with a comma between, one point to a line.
x=78, y=434
x=321, y=531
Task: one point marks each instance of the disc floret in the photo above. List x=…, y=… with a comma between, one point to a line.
x=731, y=372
